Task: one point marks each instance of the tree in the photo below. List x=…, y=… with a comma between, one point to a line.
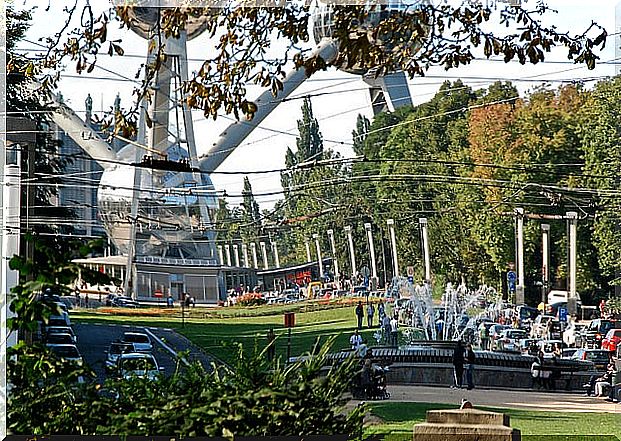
x=413, y=40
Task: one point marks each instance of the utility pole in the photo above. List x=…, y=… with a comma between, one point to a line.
x=572, y=298
x=393, y=244
x=545, y=269
x=368, y=227
x=519, y=289
x=425, y=242
x=319, y=259
x=334, y=258
x=352, y=254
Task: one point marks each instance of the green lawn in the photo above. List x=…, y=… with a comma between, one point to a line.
x=217, y=330
x=400, y=418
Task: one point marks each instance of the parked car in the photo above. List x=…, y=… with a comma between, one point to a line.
x=59, y=320
x=125, y=302
x=568, y=352
x=528, y=346
x=59, y=339
x=612, y=340
x=60, y=330
x=548, y=346
x=67, y=352
x=137, y=364
x=594, y=334
x=599, y=357
x=141, y=341
x=114, y=351
x=509, y=340
x=494, y=334
x=572, y=335
x=539, y=327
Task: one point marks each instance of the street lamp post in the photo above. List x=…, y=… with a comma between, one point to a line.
x=334, y=258
x=393, y=243
x=275, y=252
x=425, y=242
x=545, y=269
x=245, y=255
x=319, y=259
x=519, y=289
x=572, y=298
x=369, y=230
x=220, y=255
x=352, y=254
x=255, y=262
x=236, y=255
x=308, y=251
x=264, y=253
x=227, y=252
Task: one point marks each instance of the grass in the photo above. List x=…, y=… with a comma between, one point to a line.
x=218, y=330
x=400, y=418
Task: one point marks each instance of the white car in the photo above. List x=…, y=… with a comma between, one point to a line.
x=60, y=330
x=509, y=340
x=572, y=335
x=137, y=364
x=141, y=341
x=540, y=325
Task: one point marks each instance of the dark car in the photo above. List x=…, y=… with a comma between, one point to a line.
x=599, y=357
x=60, y=339
x=596, y=331
x=125, y=302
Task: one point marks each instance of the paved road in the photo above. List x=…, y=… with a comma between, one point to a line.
x=94, y=339
x=540, y=401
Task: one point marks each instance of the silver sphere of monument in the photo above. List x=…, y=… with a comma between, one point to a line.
x=323, y=19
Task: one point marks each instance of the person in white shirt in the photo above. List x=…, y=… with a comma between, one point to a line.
x=355, y=340
x=394, y=331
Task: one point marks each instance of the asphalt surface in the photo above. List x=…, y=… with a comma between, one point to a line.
x=94, y=340
x=509, y=399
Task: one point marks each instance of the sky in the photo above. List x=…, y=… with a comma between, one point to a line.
x=341, y=98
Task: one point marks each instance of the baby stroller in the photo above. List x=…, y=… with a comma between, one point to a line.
x=370, y=383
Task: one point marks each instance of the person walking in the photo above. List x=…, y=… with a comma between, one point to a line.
x=170, y=301
x=394, y=331
x=370, y=314
x=359, y=314
x=484, y=337
x=381, y=311
x=470, y=358
x=458, y=365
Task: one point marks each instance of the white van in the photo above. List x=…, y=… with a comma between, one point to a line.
x=556, y=296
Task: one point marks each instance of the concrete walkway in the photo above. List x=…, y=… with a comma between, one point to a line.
x=540, y=401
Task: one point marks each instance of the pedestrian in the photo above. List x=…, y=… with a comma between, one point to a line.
x=170, y=301
x=370, y=314
x=484, y=337
x=386, y=329
x=381, y=312
x=355, y=340
x=86, y=300
x=271, y=345
x=394, y=331
x=359, y=314
x=470, y=358
x=458, y=365
x=193, y=302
